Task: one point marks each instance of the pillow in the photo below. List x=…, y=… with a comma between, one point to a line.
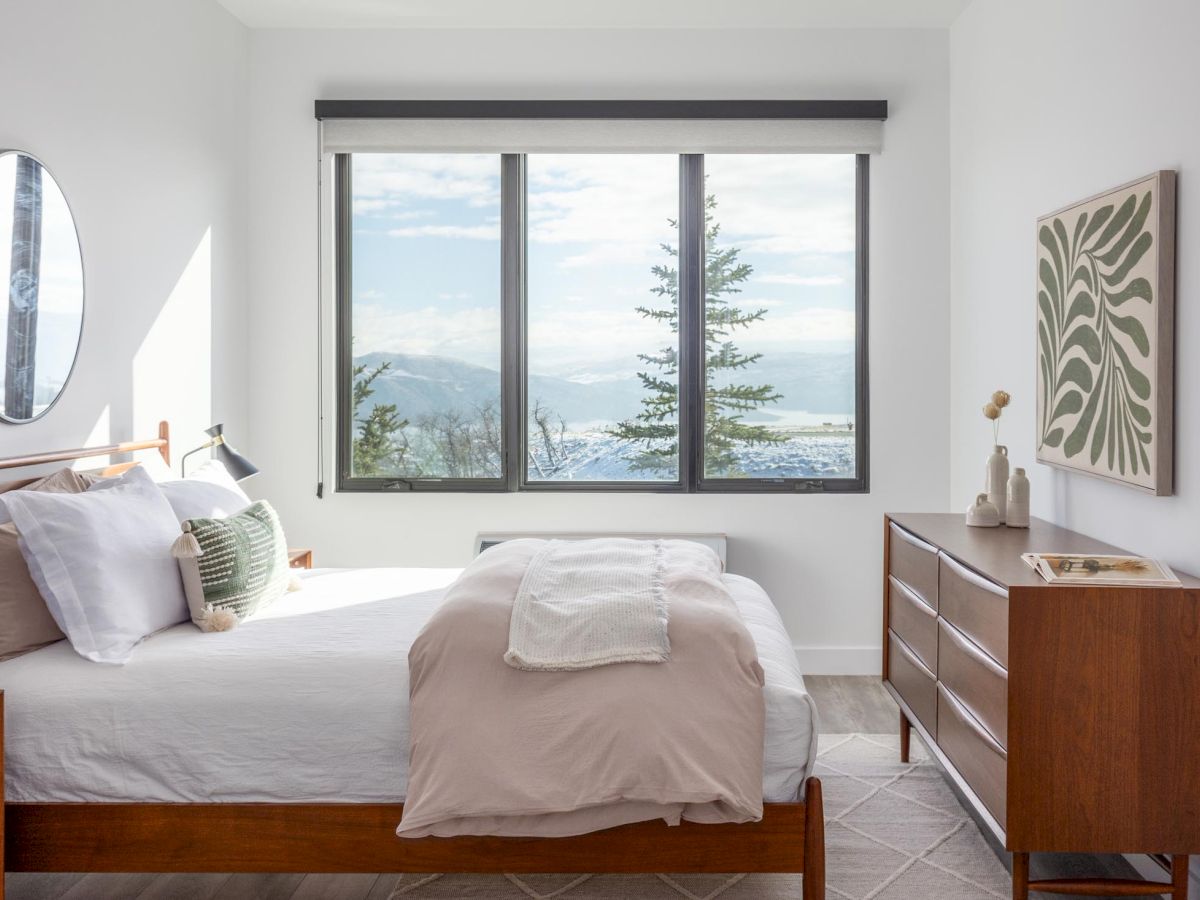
x=232, y=567
x=102, y=562
x=208, y=493
x=25, y=622
x=64, y=481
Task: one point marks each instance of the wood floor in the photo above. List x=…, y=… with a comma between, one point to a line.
x=846, y=704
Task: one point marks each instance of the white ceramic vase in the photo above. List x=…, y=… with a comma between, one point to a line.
x=982, y=513
x=1017, y=513
x=997, y=479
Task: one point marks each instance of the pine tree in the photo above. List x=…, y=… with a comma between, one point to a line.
x=656, y=426
x=380, y=447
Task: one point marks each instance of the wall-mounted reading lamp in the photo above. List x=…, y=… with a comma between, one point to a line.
x=236, y=464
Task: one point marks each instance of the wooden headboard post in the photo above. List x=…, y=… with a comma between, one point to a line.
x=162, y=444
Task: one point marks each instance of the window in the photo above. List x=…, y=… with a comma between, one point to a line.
x=422, y=308
x=780, y=317
x=605, y=321
x=599, y=358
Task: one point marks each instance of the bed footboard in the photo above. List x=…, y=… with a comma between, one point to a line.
x=360, y=837
x=232, y=837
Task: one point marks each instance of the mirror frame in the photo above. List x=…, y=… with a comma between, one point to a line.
x=7, y=420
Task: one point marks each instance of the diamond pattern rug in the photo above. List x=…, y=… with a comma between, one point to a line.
x=893, y=831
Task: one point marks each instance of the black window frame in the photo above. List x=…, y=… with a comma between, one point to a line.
x=514, y=414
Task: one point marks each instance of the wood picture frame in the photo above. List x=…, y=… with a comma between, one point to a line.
x=1106, y=334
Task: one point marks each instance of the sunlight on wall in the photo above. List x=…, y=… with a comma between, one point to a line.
x=172, y=369
x=101, y=432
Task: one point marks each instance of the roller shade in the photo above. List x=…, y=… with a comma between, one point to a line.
x=603, y=127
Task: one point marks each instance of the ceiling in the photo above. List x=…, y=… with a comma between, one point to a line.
x=608, y=14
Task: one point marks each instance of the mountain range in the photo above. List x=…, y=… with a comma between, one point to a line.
x=817, y=383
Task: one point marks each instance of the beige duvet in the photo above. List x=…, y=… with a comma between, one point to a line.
x=500, y=751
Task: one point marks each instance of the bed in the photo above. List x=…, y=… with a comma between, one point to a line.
x=281, y=746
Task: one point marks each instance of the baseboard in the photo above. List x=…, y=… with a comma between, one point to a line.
x=1152, y=871
x=839, y=660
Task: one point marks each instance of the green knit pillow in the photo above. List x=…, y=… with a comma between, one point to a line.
x=232, y=567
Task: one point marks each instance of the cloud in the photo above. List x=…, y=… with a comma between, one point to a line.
x=802, y=280
x=489, y=232
x=616, y=208
x=388, y=208
x=784, y=204
x=566, y=342
x=469, y=334
x=385, y=180
x=783, y=330
x=603, y=209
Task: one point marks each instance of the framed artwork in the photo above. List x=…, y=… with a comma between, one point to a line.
x=1105, y=335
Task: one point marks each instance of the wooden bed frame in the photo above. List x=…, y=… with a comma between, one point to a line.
x=361, y=837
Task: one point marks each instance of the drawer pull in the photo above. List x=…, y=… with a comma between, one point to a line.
x=914, y=563
x=913, y=658
x=922, y=605
x=972, y=578
x=965, y=715
x=913, y=539
x=975, y=606
x=976, y=653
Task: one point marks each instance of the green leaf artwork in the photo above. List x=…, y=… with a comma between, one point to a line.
x=1097, y=279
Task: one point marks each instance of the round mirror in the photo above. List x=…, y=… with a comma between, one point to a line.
x=41, y=288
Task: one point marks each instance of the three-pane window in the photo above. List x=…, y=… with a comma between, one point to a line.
x=608, y=321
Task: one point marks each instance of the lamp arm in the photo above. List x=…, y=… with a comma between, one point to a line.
x=204, y=446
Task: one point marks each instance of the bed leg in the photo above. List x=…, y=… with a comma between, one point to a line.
x=1179, y=877
x=814, y=841
x=905, y=736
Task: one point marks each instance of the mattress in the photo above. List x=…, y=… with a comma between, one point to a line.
x=307, y=701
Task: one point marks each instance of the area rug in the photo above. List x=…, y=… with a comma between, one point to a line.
x=893, y=831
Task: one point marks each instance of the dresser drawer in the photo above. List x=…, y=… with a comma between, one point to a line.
x=976, y=679
x=975, y=606
x=914, y=622
x=912, y=681
x=915, y=563
x=978, y=758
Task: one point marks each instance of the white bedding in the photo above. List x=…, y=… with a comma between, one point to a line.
x=307, y=701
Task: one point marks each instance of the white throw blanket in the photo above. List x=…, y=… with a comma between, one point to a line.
x=590, y=603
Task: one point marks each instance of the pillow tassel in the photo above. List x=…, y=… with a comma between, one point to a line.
x=295, y=583
x=217, y=619
x=186, y=546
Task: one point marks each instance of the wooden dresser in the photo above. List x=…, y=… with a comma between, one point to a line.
x=1068, y=717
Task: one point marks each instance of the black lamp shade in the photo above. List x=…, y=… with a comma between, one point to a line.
x=236, y=464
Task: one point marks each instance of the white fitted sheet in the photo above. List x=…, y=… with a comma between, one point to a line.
x=307, y=701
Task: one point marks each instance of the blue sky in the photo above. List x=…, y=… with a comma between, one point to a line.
x=427, y=254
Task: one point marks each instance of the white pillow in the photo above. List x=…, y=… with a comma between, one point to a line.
x=102, y=562
x=208, y=493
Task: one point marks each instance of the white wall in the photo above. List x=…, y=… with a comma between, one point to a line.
x=137, y=109
x=819, y=557
x=1052, y=102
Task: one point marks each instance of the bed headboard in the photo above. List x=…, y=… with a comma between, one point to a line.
x=162, y=444
x=486, y=539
